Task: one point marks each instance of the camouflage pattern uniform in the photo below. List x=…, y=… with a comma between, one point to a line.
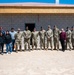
x=68, y=38
x=27, y=36
x=34, y=39
x=72, y=38
x=18, y=39
x=56, y=33
x=49, y=35
x=42, y=39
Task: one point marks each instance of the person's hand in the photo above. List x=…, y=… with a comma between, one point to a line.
x=64, y=40
x=48, y=39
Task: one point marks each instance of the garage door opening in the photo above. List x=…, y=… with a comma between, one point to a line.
x=31, y=26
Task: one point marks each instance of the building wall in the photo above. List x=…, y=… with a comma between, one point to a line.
x=18, y=21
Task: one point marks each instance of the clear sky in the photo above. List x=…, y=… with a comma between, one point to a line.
x=67, y=1
x=43, y=1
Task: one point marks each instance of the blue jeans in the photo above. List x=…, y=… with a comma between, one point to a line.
x=13, y=42
x=9, y=47
x=2, y=47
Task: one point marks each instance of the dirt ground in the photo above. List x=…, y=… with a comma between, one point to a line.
x=37, y=62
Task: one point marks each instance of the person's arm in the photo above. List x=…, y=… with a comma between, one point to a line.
x=23, y=34
x=37, y=33
x=51, y=34
x=70, y=33
x=10, y=38
x=15, y=36
x=29, y=36
x=65, y=36
x=46, y=34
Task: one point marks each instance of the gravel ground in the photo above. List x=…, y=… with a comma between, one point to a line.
x=38, y=62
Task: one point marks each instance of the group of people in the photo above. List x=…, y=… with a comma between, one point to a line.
x=53, y=36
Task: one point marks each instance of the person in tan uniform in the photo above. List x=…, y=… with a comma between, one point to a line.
x=27, y=36
x=42, y=38
x=49, y=36
x=68, y=38
x=72, y=37
x=56, y=33
x=34, y=38
x=18, y=39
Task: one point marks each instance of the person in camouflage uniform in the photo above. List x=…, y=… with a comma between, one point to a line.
x=34, y=38
x=18, y=39
x=56, y=33
x=49, y=36
x=42, y=38
x=72, y=37
x=68, y=38
x=27, y=36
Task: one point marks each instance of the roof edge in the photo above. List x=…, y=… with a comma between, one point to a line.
x=33, y=4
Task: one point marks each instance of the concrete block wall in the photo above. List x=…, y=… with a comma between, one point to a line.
x=18, y=21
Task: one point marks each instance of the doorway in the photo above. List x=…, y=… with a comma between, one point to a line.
x=31, y=26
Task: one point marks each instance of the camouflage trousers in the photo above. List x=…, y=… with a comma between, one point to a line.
x=50, y=40
x=42, y=43
x=56, y=43
x=18, y=44
x=34, y=43
x=26, y=41
x=73, y=43
x=68, y=42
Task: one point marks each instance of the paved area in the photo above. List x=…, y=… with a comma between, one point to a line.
x=37, y=62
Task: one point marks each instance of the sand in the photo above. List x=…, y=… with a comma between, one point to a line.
x=37, y=62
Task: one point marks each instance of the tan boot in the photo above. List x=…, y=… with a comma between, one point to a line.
x=51, y=49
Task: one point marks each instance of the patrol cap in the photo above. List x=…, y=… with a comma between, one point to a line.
x=19, y=29
x=49, y=26
x=55, y=26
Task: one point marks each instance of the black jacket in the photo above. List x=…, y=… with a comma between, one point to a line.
x=8, y=38
x=1, y=39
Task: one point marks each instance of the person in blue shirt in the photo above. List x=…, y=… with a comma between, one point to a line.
x=12, y=33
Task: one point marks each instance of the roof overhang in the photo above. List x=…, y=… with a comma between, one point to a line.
x=35, y=8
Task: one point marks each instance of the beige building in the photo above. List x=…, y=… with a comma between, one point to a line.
x=20, y=15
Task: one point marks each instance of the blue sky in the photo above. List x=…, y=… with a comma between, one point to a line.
x=67, y=1
x=43, y=1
